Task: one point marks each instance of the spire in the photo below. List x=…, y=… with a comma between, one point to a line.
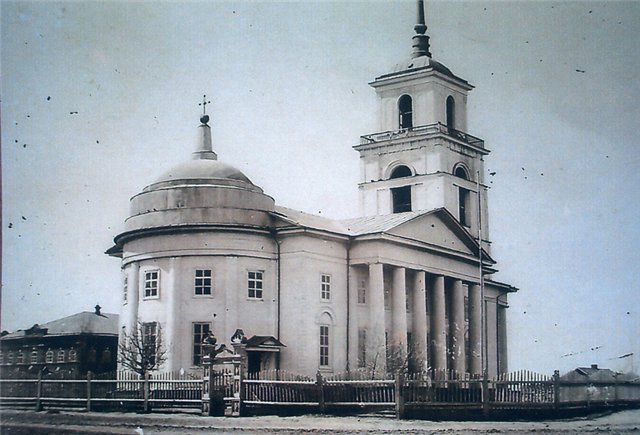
x=420, y=39
x=204, y=148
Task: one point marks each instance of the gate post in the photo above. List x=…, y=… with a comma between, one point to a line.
x=485, y=392
x=145, y=392
x=89, y=391
x=39, y=392
x=320, y=387
x=556, y=389
x=399, y=395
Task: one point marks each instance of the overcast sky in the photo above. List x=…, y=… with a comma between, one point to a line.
x=100, y=98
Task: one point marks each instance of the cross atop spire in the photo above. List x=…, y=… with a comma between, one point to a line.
x=204, y=118
x=420, y=39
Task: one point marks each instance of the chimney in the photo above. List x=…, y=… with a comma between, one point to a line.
x=594, y=366
x=97, y=309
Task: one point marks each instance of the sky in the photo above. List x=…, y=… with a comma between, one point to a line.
x=100, y=98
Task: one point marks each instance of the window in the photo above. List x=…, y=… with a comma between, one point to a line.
x=324, y=345
x=10, y=358
x=362, y=347
x=73, y=355
x=325, y=291
x=20, y=359
x=1, y=357
x=400, y=172
x=61, y=355
x=203, y=282
x=48, y=357
x=401, y=198
x=254, y=284
x=149, y=341
x=151, y=279
x=34, y=357
x=463, y=206
x=451, y=112
x=405, y=111
x=125, y=289
x=362, y=291
x=200, y=331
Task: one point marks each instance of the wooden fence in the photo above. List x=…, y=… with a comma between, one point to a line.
x=278, y=391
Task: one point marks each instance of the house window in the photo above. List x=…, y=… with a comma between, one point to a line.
x=200, y=331
x=362, y=291
x=203, y=282
x=73, y=355
x=48, y=357
x=405, y=111
x=149, y=341
x=451, y=112
x=254, y=284
x=401, y=199
x=20, y=359
x=34, y=357
x=10, y=358
x=1, y=357
x=125, y=289
x=362, y=347
x=61, y=355
x=325, y=292
x=324, y=345
x=151, y=279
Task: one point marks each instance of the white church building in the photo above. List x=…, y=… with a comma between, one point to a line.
x=206, y=249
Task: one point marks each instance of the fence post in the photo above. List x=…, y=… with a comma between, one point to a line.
x=556, y=389
x=399, y=395
x=39, y=392
x=89, y=390
x=320, y=386
x=485, y=392
x=241, y=410
x=145, y=392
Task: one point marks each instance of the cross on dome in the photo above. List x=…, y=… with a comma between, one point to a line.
x=204, y=118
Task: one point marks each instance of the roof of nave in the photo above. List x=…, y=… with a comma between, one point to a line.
x=86, y=322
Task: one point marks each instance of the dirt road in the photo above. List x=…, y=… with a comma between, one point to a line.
x=15, y=422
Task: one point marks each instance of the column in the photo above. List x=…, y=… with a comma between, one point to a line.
x=352, y=321
x=170, y=334
x=438, y=326
x=133, y=296
x=419, y=328
x=376, y=349
x=502, y=339
x=458, y=357
x=399, y=319
x=475, y=330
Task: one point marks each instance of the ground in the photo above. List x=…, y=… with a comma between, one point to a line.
x=29, y=422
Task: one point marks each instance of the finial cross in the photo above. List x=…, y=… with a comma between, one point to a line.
x=204, y=104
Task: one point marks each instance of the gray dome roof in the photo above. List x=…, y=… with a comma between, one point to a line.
x=422, y=62
x=203, y=169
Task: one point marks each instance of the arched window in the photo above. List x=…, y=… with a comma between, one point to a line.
x=400, y=171
x=48, y=357
x=463, y=196
x=61, y=356
x=405, y=111
x=73, y=355
x=10, y=358
x=20, y=359
x=34, y=357
x=451, y=112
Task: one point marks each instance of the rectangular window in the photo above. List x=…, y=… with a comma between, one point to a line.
x=362, y=291
x=325, y=284
x=463, y=206
x=149, y=341
x=125, y=289
x=324, y=345
x=362, y=347
x=203, y=282
x=151, y=281
x=200, y=331
x=254, y=284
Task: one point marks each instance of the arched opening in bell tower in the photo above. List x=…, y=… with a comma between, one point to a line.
x=401, y=196
x=463, y=196
x=451, y=112
x=405, y=111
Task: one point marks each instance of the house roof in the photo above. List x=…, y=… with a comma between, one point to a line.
x=86, y=322
x=264, y=341
x=595, y=374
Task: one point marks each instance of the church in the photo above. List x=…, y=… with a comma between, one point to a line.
x=407, y=283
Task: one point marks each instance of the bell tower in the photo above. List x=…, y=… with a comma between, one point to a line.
x=422, y=158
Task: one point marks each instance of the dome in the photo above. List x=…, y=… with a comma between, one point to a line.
x=202, y=170
x=422, y=62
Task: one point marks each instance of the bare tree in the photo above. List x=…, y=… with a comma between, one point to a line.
x=142, y=350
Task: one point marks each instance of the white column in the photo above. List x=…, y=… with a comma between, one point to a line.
x=133, y=296
x=475, y=330
x=420, y=319
x=503, y=366
x=169, y=331
x=458, y=356
x=353, y=318
x=399, y=319
x=376, y=349
x=438, y=325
